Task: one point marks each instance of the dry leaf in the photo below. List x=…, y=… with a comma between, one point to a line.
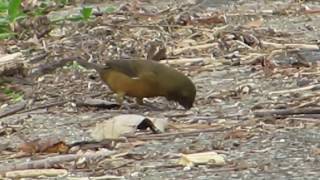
x=49, y=145
x=268, y=67
x=126, y=125
x=238, y=134
x=201, y=158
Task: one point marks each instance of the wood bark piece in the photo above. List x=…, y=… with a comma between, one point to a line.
x=11, y=61
x=51, y=161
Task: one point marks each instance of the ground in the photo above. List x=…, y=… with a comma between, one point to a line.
x=245, y=58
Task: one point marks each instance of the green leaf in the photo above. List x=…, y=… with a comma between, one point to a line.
x=4, y=21
x=64, y=2
x=86, y=12
x=6, y=35
x=4, y=6
x=14, y=9
x=74, y=18
x=14, y=95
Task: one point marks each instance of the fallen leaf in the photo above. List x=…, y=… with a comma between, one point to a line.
x=212, y=158
x=268, y=67
x=48, y=145
x=238, y=134
x=126, y=125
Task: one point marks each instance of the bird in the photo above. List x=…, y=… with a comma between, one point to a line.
x=144, y=79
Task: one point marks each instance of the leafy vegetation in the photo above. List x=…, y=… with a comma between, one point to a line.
x=11, y=14
x=12, y=94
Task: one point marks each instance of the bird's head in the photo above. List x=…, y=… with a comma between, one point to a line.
x=185, y=97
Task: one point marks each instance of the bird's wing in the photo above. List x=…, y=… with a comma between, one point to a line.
x=136, y=70
x=123, y=66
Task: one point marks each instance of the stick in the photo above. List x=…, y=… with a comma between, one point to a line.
x=156, y=136
x=283, y=112
x=183, y=60
x=198, y=47
x=290, y=46
x=306, y=88
x=36, y=173
x=44, y=106
x=51, y=161
x=13, y=109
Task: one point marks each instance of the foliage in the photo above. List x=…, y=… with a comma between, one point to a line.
x=13, y=95
x=10, y=12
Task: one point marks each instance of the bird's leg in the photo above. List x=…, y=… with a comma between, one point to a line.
x=119, y=99
x=139, y=101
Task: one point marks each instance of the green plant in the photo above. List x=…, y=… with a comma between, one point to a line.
x=14, y=95
x=64, y=2
x=86, y=13
x=14, y=10
x=10, y=12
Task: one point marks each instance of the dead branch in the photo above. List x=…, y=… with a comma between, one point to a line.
x=284, y=112
x=12, y=109
x=44, y=106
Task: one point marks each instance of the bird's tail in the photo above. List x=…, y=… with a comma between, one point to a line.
x=88, y=65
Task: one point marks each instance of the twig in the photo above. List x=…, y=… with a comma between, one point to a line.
x=51, y=161
x=12, y=109
x=97, y=177
x=157, y=26
x=183, y=60
x=35, y=173
x=306, y=88
x=197, y=47
x=156, y=136
x=284, y=112
x=44, y=106
x=309, y=120
x=291, y=46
